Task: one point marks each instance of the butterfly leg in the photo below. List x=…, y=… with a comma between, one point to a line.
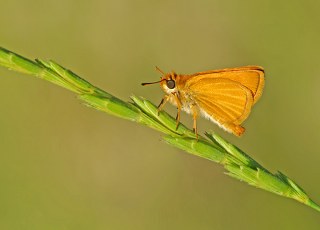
x=195, y=115
x=178, y=118
x=179, y=110
x=162, y=103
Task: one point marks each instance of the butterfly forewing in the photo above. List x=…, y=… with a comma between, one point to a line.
x=251, y=77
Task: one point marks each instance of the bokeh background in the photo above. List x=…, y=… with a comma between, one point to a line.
x=66, y=166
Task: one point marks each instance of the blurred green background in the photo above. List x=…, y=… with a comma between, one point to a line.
x=66, y=166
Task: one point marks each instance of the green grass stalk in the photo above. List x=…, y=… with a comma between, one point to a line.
x=212, y=147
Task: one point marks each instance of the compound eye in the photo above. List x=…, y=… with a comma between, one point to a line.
x=171, y=84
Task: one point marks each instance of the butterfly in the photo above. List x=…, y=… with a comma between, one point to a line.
x=223, y=96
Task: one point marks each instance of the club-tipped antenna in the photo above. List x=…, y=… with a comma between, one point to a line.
x=150, y=83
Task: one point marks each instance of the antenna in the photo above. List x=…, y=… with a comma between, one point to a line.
x=150, y=83
x=157, y=68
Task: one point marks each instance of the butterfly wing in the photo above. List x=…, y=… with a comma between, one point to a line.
x=224, y=101
x=252, y=77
